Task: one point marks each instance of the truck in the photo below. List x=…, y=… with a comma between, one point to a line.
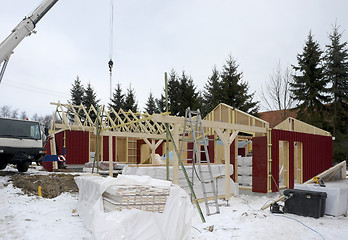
x=21, y=143
x=20, y=140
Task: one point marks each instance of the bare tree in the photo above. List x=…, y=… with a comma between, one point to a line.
x=23, y=115
x=14, y=113
x=36, y=117
x=277, y=95
x=46, y=121
x=5, y=111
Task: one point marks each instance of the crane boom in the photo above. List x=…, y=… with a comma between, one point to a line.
x=23, y=29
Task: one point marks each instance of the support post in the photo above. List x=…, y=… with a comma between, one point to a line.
x=227, y=156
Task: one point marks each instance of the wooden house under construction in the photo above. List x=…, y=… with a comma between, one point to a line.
x=271, y=159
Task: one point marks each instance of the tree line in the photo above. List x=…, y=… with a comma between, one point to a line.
x=316, y=87
x=223, y=86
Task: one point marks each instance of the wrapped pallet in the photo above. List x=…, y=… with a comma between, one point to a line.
x=134, y=207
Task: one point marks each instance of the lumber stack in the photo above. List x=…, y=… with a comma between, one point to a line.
x=145, y=198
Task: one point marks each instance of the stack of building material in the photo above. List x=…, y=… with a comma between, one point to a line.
x=134, y=207
x=159, y=172
x=245, y=171
x=146, y=198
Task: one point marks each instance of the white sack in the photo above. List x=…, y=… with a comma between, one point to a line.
x=174, y=223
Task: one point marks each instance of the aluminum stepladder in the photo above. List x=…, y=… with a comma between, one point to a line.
x=193, y=132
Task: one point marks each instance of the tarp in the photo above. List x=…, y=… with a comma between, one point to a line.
x=174, y=223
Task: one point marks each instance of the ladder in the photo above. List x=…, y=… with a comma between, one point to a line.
x=193, y=132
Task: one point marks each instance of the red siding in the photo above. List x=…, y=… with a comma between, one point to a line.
x=211, y=148
x=317, y=154
x=233, y=159
x=77, y=150
x=48, y=146
x=259, y=178
x=241, y=152
x=106, y=148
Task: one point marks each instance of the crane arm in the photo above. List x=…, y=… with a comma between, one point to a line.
x=23, y=29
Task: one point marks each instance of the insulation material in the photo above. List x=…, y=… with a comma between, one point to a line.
x=159, y=172
x=173, y=221
x=337, y=196
x=245, y=171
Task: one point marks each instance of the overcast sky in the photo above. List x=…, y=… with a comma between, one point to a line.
x=152, y=37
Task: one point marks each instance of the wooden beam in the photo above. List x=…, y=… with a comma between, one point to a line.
x=341, y=166
x=209, y=124
x=133, y=135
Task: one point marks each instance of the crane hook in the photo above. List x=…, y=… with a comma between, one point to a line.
x=111, y=64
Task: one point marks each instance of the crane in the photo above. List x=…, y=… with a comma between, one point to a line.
x=24, y=29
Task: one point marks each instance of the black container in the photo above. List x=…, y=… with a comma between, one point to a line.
x=305, y=203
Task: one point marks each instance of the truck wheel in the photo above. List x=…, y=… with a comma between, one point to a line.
x=23, y=166
x=3, y=165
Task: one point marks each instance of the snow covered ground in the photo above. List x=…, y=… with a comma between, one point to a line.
x=32, y=217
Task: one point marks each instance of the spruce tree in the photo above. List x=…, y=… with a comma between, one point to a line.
x=309, y=86
x=173, y=93
x=130, y=101
x=234, y=91
x=187, y=95
x=336, y=59
x=118, y=99
x=77, y=92
x=90, y=99
x=151, y=107
x=212, y=92
x=336, y=72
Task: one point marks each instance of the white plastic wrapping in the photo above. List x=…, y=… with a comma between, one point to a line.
x=174, y=223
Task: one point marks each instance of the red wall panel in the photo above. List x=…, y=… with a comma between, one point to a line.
x=77, y=147
x=259, y=177
x=317, y=154
x=106, y=148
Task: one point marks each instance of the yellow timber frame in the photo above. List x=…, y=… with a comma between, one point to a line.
x=224, y=122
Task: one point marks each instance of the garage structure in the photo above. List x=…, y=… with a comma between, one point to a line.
x=292, y=151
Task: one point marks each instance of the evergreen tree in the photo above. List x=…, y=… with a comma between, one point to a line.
x=188, y=95
x=336, y=59
x=212, y=93
x=173, y=93
x=90, y=99
x=151, y=107
x=130, y=101
x=118, y=98
x=309, y=88
x=234, y=91
x=77, y=92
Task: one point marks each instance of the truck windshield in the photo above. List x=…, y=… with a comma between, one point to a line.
x=12, y=128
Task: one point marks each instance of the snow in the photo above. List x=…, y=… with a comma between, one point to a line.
x=32, y=217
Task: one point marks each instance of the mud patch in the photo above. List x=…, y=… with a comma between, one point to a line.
x=51, y=185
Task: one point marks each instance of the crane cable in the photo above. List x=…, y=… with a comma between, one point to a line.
x=111, y=63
